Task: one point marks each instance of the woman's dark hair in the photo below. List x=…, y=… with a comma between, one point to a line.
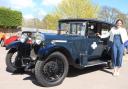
x=119, y=20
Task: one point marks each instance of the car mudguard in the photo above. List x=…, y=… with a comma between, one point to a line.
x=44, y=52
x=13, y=45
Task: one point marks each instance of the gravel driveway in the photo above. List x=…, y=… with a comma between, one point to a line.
x=90, y=78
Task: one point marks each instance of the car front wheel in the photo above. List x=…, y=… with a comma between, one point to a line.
x=52, y=71
x=12, y=61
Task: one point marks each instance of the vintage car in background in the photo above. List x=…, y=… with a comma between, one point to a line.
x=2, y=38
x=17, y=36
x=76, y=44
x=10, y=40
x=126, y=47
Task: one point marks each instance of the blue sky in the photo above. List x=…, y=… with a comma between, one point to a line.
x=32, y=8
x=121, y=5
x=40, y=8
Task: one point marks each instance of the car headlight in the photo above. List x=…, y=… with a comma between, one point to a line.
x=38, y=41
x=39, y=38
x=23, y=38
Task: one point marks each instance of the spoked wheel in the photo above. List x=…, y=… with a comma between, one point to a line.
x=52, y=71
x=12, y=61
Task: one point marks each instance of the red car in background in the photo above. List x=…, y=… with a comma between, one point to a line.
x=2, y=38
x=10, y=40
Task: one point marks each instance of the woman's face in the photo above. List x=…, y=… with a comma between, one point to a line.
x=119, y=24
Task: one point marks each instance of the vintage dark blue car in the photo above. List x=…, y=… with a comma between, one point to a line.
x=76, y=44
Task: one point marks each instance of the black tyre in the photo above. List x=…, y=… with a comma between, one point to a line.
x=110, y=64
x=13, y=65
x=52, y=71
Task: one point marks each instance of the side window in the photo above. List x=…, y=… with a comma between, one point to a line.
x=78, y=29
x=105, y=29
x=92, y=29
x=65, y=28
x=81, y=29
x=74, y=29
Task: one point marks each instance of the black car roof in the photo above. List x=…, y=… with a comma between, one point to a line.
x=82, y=20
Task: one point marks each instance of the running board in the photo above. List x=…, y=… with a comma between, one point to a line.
x=94, y=63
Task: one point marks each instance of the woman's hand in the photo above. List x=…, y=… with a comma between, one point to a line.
x=98, y=34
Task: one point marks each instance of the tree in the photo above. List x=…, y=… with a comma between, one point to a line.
x=32, y=23
x=71, y=9
x=124, y=18
x=10, y=18
x=77, y=9
x=51, y=21
x=126, y=21
x=111, y=15
x=108, y=14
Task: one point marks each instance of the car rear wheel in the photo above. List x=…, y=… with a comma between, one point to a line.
x=52, y=71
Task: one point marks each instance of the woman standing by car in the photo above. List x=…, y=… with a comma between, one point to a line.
x=118, y=36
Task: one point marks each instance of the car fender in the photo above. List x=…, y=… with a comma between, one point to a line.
x=13, y=45
x=43, y=53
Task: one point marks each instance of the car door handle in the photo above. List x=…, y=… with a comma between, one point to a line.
x=100, y=41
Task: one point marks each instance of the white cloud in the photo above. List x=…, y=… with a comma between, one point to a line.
x=51, y=2
x=42, y=13
x=28, y=16
x=39, y=12
x=19, y=4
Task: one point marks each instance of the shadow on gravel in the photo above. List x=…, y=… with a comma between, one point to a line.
x=107, y=71
x=73, y=72
x=16, y=72
x=32, y=78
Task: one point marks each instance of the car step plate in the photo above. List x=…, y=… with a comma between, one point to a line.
x=95, y=62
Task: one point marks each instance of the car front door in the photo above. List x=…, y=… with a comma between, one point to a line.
x=95, y=43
